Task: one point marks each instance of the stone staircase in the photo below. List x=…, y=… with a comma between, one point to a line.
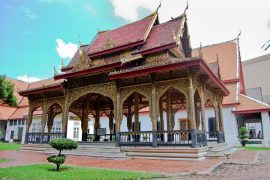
x=168, y=153
x=102, y=150
x=109, y=150
x=220, y=150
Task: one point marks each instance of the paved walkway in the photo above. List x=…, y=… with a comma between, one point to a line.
x=169, y=167
x=238, y=168
x=242, y=165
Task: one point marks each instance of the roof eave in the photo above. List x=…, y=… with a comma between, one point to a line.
x=88, y=71
x=41, y=90
x=119, y=48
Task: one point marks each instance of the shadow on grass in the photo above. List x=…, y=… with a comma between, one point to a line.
x=62, y=169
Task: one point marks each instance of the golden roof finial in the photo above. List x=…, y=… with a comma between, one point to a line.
x=62, y=65
x=55, y=71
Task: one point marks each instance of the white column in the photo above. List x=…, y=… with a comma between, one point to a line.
x=266, y=128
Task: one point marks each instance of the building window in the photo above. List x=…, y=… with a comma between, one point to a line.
x=19, y=122
x=11, y=123
x=23, y=122
x=212, y=124
x=76, y=133
x=15, y=123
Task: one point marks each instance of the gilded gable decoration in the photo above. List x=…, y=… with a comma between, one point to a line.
x=108, y=44
x=84, y=62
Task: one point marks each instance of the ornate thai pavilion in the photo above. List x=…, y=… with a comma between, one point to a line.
x=142, y=64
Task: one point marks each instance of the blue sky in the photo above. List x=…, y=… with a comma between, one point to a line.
x=35, y=34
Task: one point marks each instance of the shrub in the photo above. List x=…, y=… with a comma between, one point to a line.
x=243, y=136
x=60, y=145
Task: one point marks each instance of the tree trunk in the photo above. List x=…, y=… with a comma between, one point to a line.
x=58, y=166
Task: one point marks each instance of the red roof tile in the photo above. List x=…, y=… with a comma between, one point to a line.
x=6, y=112
x=226, y=53
x=162, y=34
x=248, y=104
x=130, y=33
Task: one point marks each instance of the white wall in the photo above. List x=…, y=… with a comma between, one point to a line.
x=14, y=127
x=266, y=128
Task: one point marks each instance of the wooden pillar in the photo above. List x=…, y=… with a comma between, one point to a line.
x=129, y=117
x=111, y=121
x=161, y=116
x=118, y=112
x=217, y=117
x=203, y=110
x=84, y=122
x=28, y=123
x=65, y=114
x=190, y=107
x=44, y=117
x=169, y=111
x=154, y=113
x=136, y=112
x=221, y=117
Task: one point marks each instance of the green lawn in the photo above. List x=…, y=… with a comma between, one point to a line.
x=47, y=171
x=9, y=146
x=4, y=160
x=254, y=148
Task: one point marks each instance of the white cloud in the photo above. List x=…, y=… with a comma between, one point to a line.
x=212, y=21
x=128, y=9
x=65, y=50
x=28, y=12
x=28, y=78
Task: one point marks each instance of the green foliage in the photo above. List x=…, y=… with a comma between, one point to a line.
x=243, y=135
x=1, y=134
x=60, y=145
x=58, y=160
x=63, y=144
x=6, y=92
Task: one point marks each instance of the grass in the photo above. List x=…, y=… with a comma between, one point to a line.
x=254, y=148
x=9, y=146
x=4, y=160
x=47, y=171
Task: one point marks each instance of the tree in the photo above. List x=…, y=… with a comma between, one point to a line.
x=60, y=145
x=243, y=136
x=6, y=92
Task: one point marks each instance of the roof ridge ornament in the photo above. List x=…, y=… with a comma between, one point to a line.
x=55, y=71
x=62, y=64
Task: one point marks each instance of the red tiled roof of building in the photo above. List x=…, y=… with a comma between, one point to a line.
x=20, y=113
x=163, y=34
x=19, y=86
x=226, y=53
x=6, y=111
x=130, y=33
x=250, y=105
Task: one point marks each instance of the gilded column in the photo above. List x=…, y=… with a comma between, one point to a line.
x=85, y=122
x=221, y=116
x=28, y=123
x=217, y=117
x=44, y=117
x=111, y=121
x=203, y=110
x=118, y=115
x=161, y=116
x=129, y=117
x=65, y=114
x=191, y=109
x=154, y=113
x=169, y=111
x=136, y=112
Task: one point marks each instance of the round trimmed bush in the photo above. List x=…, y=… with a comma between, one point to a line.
x=60, y=145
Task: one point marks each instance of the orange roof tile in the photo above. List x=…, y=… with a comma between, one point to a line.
x=6, y=111
x=226, y=53
x=250, y=105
